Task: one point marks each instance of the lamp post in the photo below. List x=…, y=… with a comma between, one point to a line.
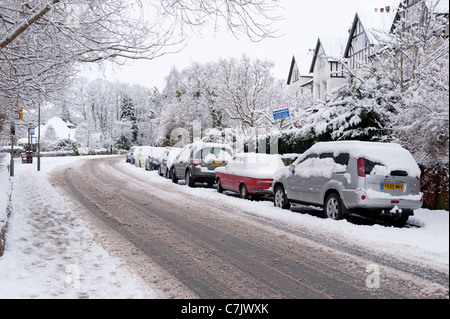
x=39, y=138
x=11, y=165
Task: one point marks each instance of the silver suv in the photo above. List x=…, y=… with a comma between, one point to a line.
x=343, y=177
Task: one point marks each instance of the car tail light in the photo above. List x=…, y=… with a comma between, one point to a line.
x=197, y=162
x=395, y=201
x=361, y=167
x=363, y=197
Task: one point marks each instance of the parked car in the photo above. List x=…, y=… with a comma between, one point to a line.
x=167, y=160
x=154, y=158
x=369, y=178
x=141, y=155
x=197, y=162
x=249, y=174
x=136, y=153
x=130, y=156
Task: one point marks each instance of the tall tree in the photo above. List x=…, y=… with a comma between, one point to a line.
x=128, y=115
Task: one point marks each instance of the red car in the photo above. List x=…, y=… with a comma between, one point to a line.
x=248, y=174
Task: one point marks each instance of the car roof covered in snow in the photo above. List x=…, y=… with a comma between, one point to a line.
x=391, y=155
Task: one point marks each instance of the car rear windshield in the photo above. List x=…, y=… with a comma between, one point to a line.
x=381, y=169
x=213, y=153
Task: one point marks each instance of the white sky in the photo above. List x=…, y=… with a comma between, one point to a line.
x=304, y=21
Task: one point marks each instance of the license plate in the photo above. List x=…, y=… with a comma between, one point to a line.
x=216, y=164
x=392, y=187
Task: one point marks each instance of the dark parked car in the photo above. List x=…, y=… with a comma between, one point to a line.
x=130, y=155
x=166, y=161
x=197, y=162
x=154, y=158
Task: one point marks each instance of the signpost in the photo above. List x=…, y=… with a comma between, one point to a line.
x=280, y=111
x=18, y=115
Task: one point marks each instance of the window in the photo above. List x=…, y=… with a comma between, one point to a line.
x=413, y=14
x=337, y=70
x=359, y=42
x=342, y=159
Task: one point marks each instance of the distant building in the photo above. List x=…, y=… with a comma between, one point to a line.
x=53, y=129
x=299, y=72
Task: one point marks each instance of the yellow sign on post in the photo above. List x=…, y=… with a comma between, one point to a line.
x=19, y=113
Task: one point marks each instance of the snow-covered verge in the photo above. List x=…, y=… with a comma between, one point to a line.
x=51, y=252
x=5, y=191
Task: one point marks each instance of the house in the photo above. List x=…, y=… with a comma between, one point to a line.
x=299, y=72
x=326, y=67
x=366, y=33
x=415, y=11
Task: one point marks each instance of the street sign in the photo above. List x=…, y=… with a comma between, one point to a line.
x=31, y=130
x=18, y=113
x=280, y=111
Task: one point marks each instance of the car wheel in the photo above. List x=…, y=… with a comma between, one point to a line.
x=333, y=207
x=219, y=186
x=401, y=221
x=174, y=176
x=243, y=192
x=280, y=199
x=189, y=180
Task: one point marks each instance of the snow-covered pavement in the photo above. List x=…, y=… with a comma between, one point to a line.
x=52, y=252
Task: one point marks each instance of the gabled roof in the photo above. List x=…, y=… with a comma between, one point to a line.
x=303, y=61
x=375, y=24
x=333, y=48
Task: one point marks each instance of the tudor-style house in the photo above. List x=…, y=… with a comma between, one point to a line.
x=326, y=67
x=299, y=72
x=413, y=12
x=365, y=40
x=366, y=33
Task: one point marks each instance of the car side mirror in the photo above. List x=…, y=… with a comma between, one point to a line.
x=292, y=169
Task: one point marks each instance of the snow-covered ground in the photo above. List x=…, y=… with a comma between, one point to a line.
x=51, y=252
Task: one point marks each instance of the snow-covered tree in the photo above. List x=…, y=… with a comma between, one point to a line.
x=42, y=42
x=417, y=57
x=246, y=91
x=128, y=116
x=360, y=109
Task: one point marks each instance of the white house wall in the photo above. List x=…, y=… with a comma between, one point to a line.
x=323, y=83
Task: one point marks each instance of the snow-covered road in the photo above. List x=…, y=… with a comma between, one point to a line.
x=55, y=251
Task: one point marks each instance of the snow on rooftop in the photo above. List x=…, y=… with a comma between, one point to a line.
x=303, y=62
x=438, y=6
x=333, y=47
x=376, y=24
x=62, y=130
